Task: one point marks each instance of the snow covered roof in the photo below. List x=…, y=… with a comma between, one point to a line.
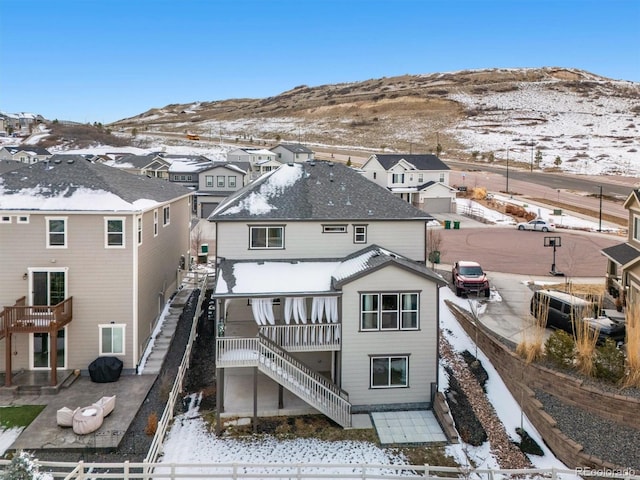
x=270, y=278
x=419, y=161
x=294, y=148
x=25, y=148
x=315, y=190
x=69, y=182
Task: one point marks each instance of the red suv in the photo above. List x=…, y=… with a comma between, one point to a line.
x=469, y=277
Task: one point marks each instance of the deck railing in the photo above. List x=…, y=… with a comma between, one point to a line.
x=305, y=338
x=35, y=318
x=276, y=363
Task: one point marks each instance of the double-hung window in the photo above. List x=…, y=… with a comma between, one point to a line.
x=155, y=223
x=114, y=232
x=397, y=178
x=56, y=232
x=389, y=371
x=220, y=180
x=359, y=234
x=389, y=311
x=166, y=218
x=231, y=181
x=208, y=180
x=266, y=237
x=139, y=228
x=112, y=339
x=636, y=228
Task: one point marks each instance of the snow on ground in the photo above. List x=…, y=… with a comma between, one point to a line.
x=591, y=134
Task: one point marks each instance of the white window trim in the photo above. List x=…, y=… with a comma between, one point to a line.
x=166, y=216
x=155, y=222
x=66, y=233
x=356, y=234
x=636, y=228
x=388, y=357
x=139, y=229
x=106, y=232
x=5, y=218
x=103, y=326
x=22, y=219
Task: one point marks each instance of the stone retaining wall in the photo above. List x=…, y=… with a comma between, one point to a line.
x=521, y=379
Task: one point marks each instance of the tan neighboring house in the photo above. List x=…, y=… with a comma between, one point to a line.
x=324, y=294
x=90, y=255
x=623, y=260
x=24, y=154
x=420, y=179
x=260, y=160
x=292, y=153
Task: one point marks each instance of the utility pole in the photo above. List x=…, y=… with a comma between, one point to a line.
x=507, y=170
x=532, y=155
x=600, y=222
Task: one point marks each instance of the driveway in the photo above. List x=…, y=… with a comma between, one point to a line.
x=507, y=250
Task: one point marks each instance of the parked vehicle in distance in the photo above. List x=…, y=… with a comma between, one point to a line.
x=469, y=277
x=537, y=225
x=562, y=310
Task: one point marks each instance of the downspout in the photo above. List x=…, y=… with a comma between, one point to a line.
x=134, y=291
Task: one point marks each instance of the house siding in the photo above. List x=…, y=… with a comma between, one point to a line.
x=357, y=346
x=158, y=261
x=306, y=240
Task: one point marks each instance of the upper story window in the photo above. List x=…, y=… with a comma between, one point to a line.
x=389, y=311
x=636, y=228
x=166, y=219
x=23, y=218
x=359, y=234
x=334, y=229
x=208, y=180
x=5, y=219
x=231, y=181
x=220, y=180
x=114, y=232
x=155, y=223
x=397, y=178
x=375, y=175
x=266, y=237
x=56, y=232
x=420, y=177
x=139, y=229
x=441, y=177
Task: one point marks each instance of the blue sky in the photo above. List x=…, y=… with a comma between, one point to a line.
x=104, y=60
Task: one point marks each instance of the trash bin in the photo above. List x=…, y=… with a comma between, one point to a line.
x=456, y=225
x=434, y=256
x=447, y=224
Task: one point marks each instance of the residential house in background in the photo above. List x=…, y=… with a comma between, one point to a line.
x=623, y=260
x=420, y=179
x=19, y=123
x=260, y=160
x=322, y=286
x=90, y=257
x=184, y=169
x=152, y=165
x=292, y=152
x=24, y=154
x=217, y=182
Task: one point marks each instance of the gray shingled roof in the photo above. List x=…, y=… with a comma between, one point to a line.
x=295, y=148
x=9, y=165
x=138, y=161
x=27, y=148
x=623, y=254
x=70, y=172
x=420, y=161
x=323, y=191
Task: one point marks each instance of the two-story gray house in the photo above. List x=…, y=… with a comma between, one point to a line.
x=90, y=255
x=217, y=182
x=422, y=180
x=322, y=288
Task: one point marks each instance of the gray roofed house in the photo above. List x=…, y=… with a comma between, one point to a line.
x=623, y=260
x=152, y=165
x=316, y=190
x=292, y=152
x=97, y=252
x=216, y=182
x=326, y=271
x=24, y=153
x=8, y=165
x=420, y=179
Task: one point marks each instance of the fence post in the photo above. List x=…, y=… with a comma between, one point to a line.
x=81, y=472
x=426, y=470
